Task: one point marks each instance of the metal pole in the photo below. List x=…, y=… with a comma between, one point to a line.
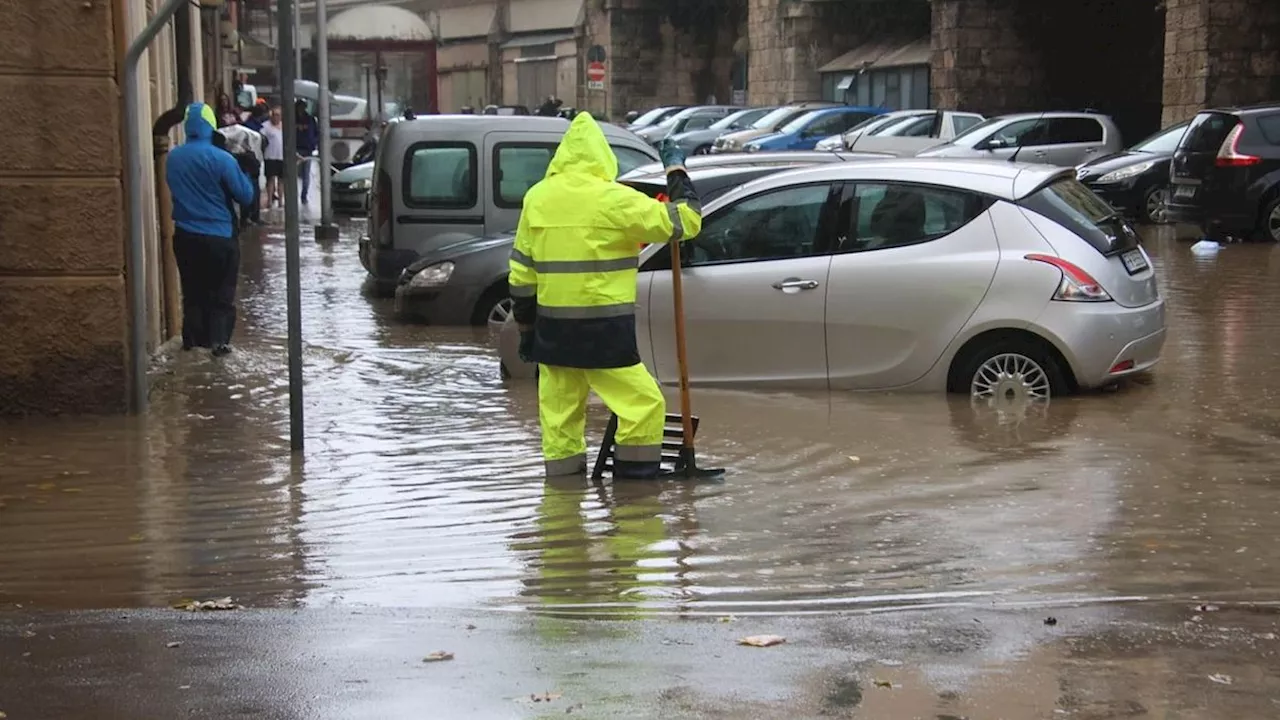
x=297, y=37
x=326, y=231
x=293, y=262
x=139, y=360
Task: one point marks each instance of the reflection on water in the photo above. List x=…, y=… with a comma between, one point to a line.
x=421, y=483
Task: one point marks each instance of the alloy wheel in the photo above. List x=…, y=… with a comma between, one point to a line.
x=498, y=315
x=1156, y=202
x=1273, y=223
x=1010, y=381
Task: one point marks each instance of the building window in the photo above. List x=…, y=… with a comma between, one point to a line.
x=538, y=51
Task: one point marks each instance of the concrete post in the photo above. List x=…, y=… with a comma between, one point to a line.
x=326, y=231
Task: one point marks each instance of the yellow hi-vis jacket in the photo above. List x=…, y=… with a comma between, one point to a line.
x=573, y=268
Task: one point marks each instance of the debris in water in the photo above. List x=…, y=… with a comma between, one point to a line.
x=173, y=645
x=855, y=459
x=471, y=627
x=883, y=684
x=1206, y=247
x=1206, y=608
x=137, y=537
x=545, y=697
x=1051, y=621
x=225, y=603
x=727, y=619
x=762, y=640
x=438, y=656
x=1221, y=679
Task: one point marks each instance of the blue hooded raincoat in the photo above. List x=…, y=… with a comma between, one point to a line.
x=202, y=178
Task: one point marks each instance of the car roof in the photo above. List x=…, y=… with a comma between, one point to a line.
x=1053, y=114
x=998, y=178
x=1246, y=109
x=702, y=163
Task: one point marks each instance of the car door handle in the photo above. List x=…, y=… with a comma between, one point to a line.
x=1041, y=153
x=795, y=285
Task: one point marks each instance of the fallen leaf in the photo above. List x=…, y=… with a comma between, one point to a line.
x=438, y=656
x=762, y=640
x=1051, y=621
x=1221, y=679
x=545, y=697
x=173, y=645
x=883, y=684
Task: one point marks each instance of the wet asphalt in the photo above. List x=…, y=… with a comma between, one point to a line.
x=909, y=548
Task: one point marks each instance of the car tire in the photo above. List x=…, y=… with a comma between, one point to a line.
x=1010, y=369
x=493, y=298
x=1269, y=221
x=1154, y=200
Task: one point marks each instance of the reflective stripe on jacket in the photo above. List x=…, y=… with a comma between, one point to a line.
x=577, y=252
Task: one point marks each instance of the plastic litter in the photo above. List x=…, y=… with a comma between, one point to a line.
x=1206, y=247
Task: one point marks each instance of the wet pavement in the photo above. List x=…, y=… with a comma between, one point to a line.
x=900, y=538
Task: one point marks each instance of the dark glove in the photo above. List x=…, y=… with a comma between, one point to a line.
x=671, y=154
x=526, y=345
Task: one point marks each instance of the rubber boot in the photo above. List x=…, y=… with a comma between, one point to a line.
x=631, y=470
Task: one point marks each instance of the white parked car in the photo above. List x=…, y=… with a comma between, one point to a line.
x=1006, y=281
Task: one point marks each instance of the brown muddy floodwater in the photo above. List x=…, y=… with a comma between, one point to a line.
x=421, y=483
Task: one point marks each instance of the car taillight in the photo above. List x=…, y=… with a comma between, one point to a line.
x=1077, y=285
x=1229, y=154
x=383, y=210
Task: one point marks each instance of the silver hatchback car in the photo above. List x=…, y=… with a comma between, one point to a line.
x=1010, y=282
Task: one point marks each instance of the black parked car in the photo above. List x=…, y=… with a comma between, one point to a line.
x=1226, y=174
x=1136, y=181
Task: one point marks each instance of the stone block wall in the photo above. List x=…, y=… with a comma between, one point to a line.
x=981, y=60
x=62, y=289
x=1220, y=53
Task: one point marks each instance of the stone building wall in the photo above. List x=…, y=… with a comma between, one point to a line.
x=981, y=60
x=1220, y=53
x=63, y=229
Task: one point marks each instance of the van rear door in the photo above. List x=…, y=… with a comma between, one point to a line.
x=440, y=196
x=1193, y=167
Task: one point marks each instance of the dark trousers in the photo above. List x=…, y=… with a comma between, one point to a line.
x=249, y=164
x=208, y=267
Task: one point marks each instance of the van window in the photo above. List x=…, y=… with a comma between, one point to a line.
x=440, y=175
x=519, y=166
x=1207, y=131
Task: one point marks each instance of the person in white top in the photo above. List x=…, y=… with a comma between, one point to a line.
x=273, y=131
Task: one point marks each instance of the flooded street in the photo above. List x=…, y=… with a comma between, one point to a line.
x=421, y=491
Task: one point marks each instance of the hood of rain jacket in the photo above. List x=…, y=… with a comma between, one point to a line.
x=204, y=180
x=585, y=151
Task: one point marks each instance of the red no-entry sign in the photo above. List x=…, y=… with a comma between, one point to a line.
x=595, y=72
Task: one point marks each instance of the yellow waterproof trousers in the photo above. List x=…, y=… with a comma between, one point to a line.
x=630, y=392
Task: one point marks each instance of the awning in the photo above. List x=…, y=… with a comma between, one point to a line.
x=881, y=55
x=536, y=39
x=467, y=22
x=543, y=15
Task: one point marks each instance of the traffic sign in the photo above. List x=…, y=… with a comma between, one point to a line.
x=595, y=72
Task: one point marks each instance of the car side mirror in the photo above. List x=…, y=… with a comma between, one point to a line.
x=994, y=144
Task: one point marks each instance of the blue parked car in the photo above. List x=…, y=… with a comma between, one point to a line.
x=804, y=132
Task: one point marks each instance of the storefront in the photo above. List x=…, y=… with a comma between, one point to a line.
x=892, y=75
x=540, y=57
x=463, y=56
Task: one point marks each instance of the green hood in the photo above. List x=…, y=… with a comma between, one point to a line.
x=584, y=151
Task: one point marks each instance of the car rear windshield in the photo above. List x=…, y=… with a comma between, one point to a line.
x=1074, y=206
x=1206, y=132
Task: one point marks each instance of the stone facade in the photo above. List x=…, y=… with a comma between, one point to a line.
x=981, y=61
x=1220, y=53
x=63, y=302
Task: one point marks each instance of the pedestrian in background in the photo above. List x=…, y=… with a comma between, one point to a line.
x=203, y=182
x=226, y=112
x=245, y=145
x=273, y=155
x=308, y=141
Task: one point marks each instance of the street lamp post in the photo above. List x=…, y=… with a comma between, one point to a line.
x=326, y=231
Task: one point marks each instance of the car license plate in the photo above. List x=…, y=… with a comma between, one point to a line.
x=1183, y=192
x=1134, y=261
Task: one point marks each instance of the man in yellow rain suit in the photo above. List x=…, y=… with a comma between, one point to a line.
x=573, y=283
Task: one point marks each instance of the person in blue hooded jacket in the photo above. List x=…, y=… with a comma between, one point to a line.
x=204, y=180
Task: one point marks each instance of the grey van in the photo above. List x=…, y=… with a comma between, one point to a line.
x=441, y=179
